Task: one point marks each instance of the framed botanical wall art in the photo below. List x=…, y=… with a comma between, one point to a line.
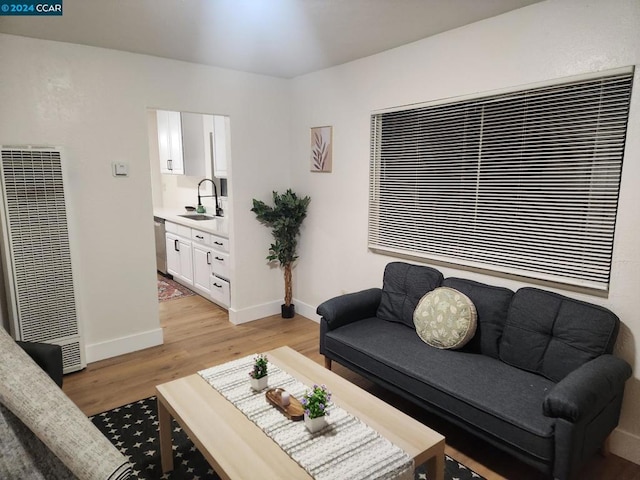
x=321, y=149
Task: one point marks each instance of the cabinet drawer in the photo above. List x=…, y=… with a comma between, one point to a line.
x=177, y=229
x=220, y=291
x=220, y=263
x=220, y=243
x=201, y=237
x=171, y=227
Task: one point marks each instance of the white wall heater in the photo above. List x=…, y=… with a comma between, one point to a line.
x=36, y=254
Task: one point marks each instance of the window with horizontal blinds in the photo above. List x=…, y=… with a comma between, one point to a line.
x=524, y=183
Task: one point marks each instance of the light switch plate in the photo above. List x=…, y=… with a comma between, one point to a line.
x=120, y=169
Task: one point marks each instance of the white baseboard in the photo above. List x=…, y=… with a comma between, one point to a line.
x=307, y=310
x=254, y=313
x=267, y=309
x=625, y=445
x=122, y=345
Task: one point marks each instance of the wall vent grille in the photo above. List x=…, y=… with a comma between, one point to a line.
x=71, y=356
x=38, y=253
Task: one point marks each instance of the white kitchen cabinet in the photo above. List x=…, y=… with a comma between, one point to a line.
x=220, y=291
x=220, y=264
x=221, y=146
x=202, y=268
x=220, y=270
x=185, y=143
x=220, y=256
x=180, y=259
x=170, y=142
x=199, y=260
x=219, y=243
x=173, y=255
x=197, y=133
x=178, y=229
x=200, y=236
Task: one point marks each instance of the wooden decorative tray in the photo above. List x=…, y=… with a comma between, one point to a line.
x=294, y=411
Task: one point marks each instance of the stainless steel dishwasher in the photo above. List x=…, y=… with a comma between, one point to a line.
x=161, y=245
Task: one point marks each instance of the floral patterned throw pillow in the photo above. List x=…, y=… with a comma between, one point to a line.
x=445, y=318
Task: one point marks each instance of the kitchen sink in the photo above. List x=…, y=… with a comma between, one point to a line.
x=198, y=216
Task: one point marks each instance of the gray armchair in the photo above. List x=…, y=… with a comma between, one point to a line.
x=48, y=357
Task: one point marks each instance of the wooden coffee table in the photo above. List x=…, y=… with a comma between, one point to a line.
x=238, y=449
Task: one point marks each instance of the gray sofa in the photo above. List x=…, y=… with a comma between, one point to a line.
x=43, y=435
x=537, y=380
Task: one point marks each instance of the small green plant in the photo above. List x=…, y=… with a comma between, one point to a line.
x=259, y=367
x=316, y=401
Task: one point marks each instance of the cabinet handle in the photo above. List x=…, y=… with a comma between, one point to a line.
x=218, y=243
x=216, y=285
x=200, y=237
x=169, y=164
x=219, y=259
x=208, y=258
x=176, y=245
x=211, y=150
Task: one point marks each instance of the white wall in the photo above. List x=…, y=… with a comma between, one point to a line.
x=544, y=41
x=94, y=103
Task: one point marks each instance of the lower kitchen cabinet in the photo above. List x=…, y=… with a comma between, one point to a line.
x=180, y=259
x=220, y=291
x=198, y=260
x=220, y=264
x=202, y=269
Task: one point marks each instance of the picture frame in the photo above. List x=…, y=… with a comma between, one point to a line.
x=322, y=149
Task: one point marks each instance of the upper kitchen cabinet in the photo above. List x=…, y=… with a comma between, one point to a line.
x=197, y=143
x=221, y=146
x=170, y=142
x=185, y=142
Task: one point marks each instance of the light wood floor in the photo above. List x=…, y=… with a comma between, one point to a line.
x=197, y=334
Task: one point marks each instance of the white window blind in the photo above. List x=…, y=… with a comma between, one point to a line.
x=524, y=183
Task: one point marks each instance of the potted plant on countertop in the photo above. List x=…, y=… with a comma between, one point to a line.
x=316, y=403
x=259, y=377
x=284, y=219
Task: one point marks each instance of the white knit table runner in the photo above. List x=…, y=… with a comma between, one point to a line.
x=346, y=449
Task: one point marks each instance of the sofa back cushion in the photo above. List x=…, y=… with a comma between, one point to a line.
x=552, y=335
x=492, y=305
x=403, y=286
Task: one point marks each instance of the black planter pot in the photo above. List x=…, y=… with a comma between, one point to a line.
x=288, y=312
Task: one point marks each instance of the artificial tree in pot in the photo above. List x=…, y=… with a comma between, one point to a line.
x=284, y=218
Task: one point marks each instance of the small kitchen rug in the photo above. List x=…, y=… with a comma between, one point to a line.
x=170, y=290
x=133, y=429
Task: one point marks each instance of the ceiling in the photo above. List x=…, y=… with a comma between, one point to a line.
x=283, y=38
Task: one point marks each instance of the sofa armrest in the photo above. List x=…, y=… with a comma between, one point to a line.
x=30, y=395
x=587, y=389
x=349, y=308
x=47, y=356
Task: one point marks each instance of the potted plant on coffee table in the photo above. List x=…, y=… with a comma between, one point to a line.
x=259, y=378
x=284, y=218
x=316, y=403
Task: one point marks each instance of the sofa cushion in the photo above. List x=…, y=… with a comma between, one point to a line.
x=445, y=318
x=473, y=389
x=492, y=305
x=402, y=288
x=552, y=335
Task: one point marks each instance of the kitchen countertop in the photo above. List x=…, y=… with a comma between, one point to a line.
x=217, y=225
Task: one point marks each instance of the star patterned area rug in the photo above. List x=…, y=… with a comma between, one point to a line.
x=133, y=429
